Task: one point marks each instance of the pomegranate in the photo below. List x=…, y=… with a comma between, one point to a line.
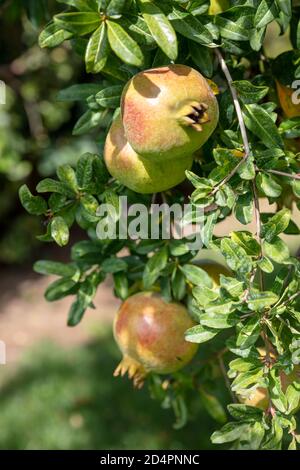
x=140, y=175
x=150, y=333
x=168, y=112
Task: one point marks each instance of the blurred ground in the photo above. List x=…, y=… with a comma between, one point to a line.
x=26, y=317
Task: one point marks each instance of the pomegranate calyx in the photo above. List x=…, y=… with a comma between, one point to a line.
x=195, y=114
x=134, y=369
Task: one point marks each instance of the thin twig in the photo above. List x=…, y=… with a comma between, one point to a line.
x=282, y=173
x=239, y=114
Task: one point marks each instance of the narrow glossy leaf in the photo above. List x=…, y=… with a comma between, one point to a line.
x=126, y=48
x=160, y=28
x=115, y=7
x=89, y=121
x=114, y=265
x=121, y=285
x=230, y=432
x=231, y=30
x=200, y=334
x=110, y=97
x=97, y=50
x=81, y=5
x=79, y=92
x=54, y=267
x=250, y=93
x=154, y=267
x=190, y=27
x=59, y=289
x=202, y=57
x=265, y=13
x=258, y=121
x=53, y=35
x=80, y=23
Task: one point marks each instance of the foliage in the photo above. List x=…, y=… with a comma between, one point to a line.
x=248, y=157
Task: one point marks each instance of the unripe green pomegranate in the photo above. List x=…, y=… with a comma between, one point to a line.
x=150, y=334
x=139, y=174
x=168, y=112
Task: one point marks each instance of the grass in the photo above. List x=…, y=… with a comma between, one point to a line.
x=60, y=399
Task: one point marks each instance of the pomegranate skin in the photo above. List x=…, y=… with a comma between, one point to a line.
x=168, y=112
x=136, y=173
x=150, y=333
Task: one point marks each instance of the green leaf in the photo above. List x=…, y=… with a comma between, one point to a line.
x=265, y=265
x=67, y=175
x=232, y=285
x=110, y=97
x=126, y=48
x=276, y=224
x=258, y=121
x=154, y=267
x=178, y=285
x=247, y=241
x=236, y=257
x=196, y=275
x=114, y=265
x=246, y=412
x=268, y=185
x=190, y=26
x=230, y=432
x=115, y=7
x=265, y=13
x=48, y=185
x=53, y=35
x=54, y=267
x=79, y=23
x=249, y=333
x=244, y=208
x=231, y=30
x=59, y=231
x=219, y=315
x=213, y=406
x=59, y=289
x=200, y=334
x=79, y=92
x=203, y=58
x=89, y=121
x=203, y=295
x=34, y=205
x=160, y=28
x=97, y=50
x=277, y=250
x=121, y=285
x=250, y=93
x=81, y=5
x=258, y=301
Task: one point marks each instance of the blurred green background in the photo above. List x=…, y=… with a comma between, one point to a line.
x=57, y=389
